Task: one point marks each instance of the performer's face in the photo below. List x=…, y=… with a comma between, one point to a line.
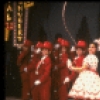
x=92, y=49
x=63, y=49
x=45, y=51
x=79, y=51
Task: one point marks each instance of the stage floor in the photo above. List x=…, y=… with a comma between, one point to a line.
x=14, y=98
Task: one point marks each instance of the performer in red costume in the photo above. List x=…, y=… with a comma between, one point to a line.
x=80, y=54
x=77, y=61
x=22, y=61
x=87, y=84
x=63, y=64
x=42, y=79
x=36, y=56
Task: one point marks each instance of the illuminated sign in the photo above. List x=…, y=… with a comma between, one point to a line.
x=9, y=17
x=20, y=24
x=20, y=19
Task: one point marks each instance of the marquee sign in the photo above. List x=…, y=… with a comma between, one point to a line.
x=18, y=24
x=8, y=20
x=9, y=17
x=17, y=20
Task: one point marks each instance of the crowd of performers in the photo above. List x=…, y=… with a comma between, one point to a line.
x=58, y=71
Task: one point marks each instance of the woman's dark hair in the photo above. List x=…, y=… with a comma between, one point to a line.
x=96, y=45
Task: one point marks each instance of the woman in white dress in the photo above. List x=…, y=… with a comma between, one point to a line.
x=87, y=85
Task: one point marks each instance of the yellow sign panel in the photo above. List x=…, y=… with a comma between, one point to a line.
x=9, y=8
x=19, y=26
x=19, y=32
x=19, y=38
x=6, y=36
x=20, y=8
x=8, y=17
x=19, y=14
x=20, y=20
x=28, y=4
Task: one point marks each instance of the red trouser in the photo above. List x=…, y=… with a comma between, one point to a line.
x=54, y=85
x=25, y=90
x=63, y=92
x=25, y=87
x=41, y=92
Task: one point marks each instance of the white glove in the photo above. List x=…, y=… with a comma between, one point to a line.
x=66, y=80
x=38, y=50
x=37, y=82
x=25, y=69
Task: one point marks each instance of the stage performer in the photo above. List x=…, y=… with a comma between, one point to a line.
x=63, y=64
x=22, y=61
x=87, y=84
x=42, y=79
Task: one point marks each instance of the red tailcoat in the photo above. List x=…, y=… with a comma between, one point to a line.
x=42, y=91
x=22, y=61
x=31, y=67
x=63, y=72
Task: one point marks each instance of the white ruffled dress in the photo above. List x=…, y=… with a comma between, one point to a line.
x=87, y=85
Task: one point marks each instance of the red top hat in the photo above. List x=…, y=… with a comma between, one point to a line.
x=39, y=44
x=65, y=43
x=47, y=45
x=81, y=44
x=59, y=40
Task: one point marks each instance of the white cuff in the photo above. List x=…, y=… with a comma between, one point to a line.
x=66, y=80
x=25, y=69
x=37, y=82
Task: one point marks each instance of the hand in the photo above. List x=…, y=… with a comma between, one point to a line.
x=72, y=68
x=37, y=82
x=25, y=69
x=66, y=80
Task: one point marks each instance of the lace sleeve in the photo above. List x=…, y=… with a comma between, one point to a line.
x=92, y=61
